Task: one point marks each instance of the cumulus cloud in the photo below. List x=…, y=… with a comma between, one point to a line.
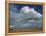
x=27, y=18
x=30, y=13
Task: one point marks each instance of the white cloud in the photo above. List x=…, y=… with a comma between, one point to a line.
x=25, y=8
x=30, y=12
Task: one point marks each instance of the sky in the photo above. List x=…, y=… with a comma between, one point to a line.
x=16, y=11
x=19, y=6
